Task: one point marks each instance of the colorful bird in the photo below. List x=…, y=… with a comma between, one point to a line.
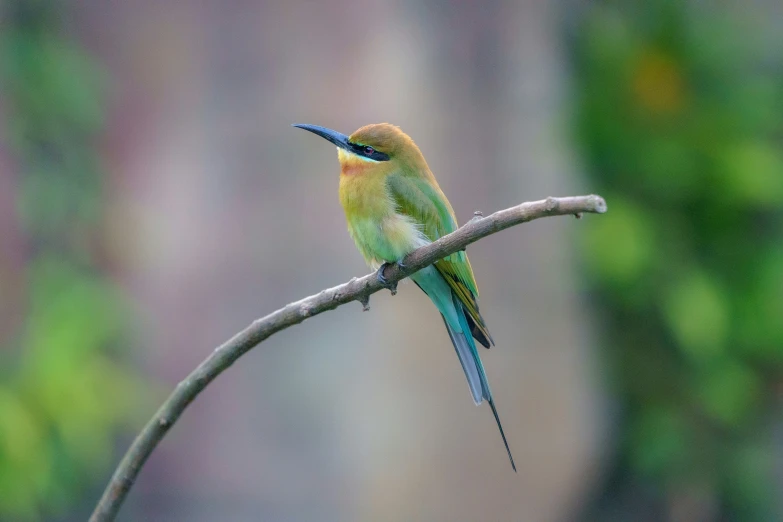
x=393, y=205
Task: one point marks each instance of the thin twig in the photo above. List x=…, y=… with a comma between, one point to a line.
x=355, y=290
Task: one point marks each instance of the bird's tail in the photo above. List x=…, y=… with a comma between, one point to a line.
x=472, y=366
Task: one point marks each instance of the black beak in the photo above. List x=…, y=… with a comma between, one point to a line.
x=339, y=139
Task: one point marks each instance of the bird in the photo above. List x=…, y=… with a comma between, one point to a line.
x=393, y=205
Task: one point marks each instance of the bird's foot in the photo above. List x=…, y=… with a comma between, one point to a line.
x=391, y=286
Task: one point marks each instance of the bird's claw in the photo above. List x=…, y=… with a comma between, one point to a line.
x=379, y=274
x=391, y=286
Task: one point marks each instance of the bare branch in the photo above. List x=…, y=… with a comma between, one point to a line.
x=355, y=290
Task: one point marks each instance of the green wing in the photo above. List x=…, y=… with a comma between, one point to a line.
x=424, y=202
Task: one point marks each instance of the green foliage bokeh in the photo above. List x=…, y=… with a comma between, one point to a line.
x=679, y=118
x=64, y=390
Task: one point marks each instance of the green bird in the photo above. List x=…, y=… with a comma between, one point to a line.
x=393, y=205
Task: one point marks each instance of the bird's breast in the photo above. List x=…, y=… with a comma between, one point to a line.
x=381, y=233
x=365, y=196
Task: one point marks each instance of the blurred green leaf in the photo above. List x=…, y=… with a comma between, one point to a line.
x=697, y=312
x=625, y=226
x=729, y=392
x=659, y=441
x=752, y=174
x=25, y=471
x=749, y=487
x=760, y=329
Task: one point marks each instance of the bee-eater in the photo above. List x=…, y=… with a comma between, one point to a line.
x=393, y=205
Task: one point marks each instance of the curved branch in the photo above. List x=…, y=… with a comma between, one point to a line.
x=355, y=290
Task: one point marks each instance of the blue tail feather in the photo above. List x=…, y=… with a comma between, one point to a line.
x=455, y=319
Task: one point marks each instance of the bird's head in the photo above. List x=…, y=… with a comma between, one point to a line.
x=375, y=148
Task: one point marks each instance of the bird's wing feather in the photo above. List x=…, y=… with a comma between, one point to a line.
x=424, y=202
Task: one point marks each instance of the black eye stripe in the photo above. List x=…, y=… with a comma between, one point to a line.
x=368, y=152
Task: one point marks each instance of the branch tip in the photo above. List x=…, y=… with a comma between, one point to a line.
x=599, y=204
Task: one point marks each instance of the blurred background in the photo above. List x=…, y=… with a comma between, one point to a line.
x=154, y=200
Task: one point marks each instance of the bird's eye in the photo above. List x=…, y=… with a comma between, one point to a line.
x=368, y=150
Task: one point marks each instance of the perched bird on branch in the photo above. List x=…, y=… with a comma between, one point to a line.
x=393, y=205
